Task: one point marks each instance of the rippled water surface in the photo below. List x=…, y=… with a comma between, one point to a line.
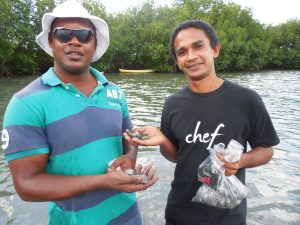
x=274, y=189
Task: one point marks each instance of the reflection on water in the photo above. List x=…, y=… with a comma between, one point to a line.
x=274, y=189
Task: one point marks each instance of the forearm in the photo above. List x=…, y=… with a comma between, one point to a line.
x=130, y=150
x=256, y=157
x=168, y=150
x=51, y=187
x=33, y=183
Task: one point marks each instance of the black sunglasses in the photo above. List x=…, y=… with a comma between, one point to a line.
x=65, y=35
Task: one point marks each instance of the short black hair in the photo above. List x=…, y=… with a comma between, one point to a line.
x=197, y=24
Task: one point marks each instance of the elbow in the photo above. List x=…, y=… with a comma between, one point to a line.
x=271, y=154
x=171, y=158
x=24, y=195
x=25, y=192
x=25, y=198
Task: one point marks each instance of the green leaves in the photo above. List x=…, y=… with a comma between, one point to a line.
x=139, y=37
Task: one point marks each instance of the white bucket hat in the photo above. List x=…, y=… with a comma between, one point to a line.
x=74, y=9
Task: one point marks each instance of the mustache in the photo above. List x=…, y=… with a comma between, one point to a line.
x=72, y=51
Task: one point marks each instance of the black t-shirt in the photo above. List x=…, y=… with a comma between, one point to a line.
x=193, y=122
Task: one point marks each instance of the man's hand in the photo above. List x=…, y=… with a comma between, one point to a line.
x=124, y=162
x=230, y=167
x=152, y=136
x=120, y=181
x=255, y=157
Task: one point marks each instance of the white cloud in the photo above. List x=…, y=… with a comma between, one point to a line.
x=265, y=11
x=272, y=11
x=114, y=6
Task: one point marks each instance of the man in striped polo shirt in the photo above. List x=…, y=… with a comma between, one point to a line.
x=62, y=130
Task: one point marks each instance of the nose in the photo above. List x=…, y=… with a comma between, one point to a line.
x=192, y=55
x=74, y=41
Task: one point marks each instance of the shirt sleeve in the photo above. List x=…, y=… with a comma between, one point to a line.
x=262, y=133
x=23, y=134
x=166, y=126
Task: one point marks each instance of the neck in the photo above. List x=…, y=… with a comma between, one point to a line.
x=83, y=81
x=206, y=85
x=71, y=77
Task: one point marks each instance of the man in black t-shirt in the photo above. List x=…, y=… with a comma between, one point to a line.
x=206, y=112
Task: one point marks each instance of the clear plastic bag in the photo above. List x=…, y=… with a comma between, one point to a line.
x=210, y=170
x=217, y=189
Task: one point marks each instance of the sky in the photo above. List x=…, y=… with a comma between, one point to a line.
x=271, y=12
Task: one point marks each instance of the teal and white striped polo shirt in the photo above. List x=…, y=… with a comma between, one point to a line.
x=81, y=135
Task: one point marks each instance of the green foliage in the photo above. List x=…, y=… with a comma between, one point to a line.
x=42, y=59
x=139, y=37
x=285, y=48
x=16, y=26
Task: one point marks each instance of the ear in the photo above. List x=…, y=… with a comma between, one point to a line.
x=178, y=65
x=95, y=43
x=50, y=39
x=216, y=50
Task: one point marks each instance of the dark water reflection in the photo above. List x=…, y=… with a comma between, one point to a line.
x=274, y=189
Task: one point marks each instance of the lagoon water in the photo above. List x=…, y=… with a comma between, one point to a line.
x=274, y=189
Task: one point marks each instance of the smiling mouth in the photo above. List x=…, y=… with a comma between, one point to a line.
x=194, y=65
x=74, y=56
x=71, y=53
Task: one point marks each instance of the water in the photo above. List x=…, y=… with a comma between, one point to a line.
x=274, y=189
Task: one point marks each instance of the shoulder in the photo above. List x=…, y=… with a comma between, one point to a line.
x=34, y=87
x=34, y=96
x=28, y=103
x=27, y=99
x=242, y=92
x=244, y=98
x=182, y=93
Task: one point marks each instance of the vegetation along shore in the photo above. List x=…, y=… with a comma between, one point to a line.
x=140, y=36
